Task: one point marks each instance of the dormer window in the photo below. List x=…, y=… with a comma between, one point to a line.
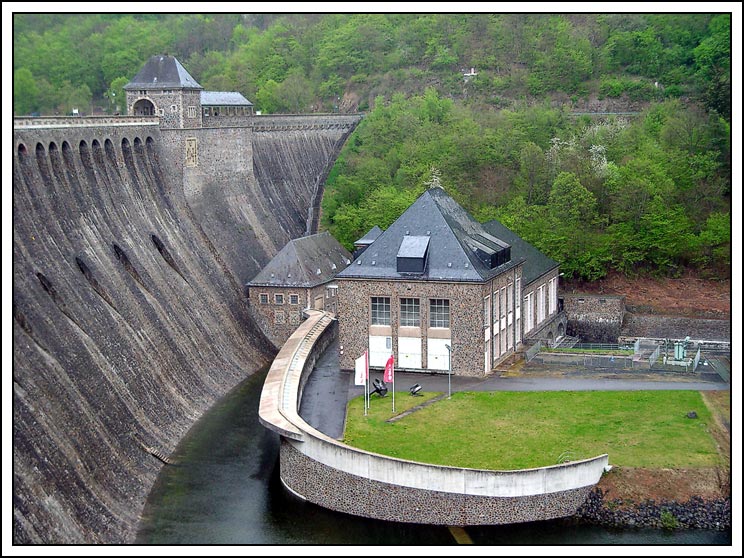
x=413, y=254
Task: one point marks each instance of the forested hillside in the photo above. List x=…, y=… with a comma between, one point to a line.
x=488, y=101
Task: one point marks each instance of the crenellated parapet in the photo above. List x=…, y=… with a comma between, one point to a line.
x=20, y=123
x=286, y=122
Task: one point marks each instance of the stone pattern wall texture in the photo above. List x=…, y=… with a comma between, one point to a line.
x=466, y=316
x=278, y=321
x=129, y=315
x=371, y=498
x=674, y=327
x=594, y=318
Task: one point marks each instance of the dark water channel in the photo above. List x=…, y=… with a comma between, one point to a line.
x=226, y=490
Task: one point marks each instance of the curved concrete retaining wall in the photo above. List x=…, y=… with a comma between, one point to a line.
x=334, y=475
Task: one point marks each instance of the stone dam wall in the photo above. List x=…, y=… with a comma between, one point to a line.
x=129, y=319
x=256, y=187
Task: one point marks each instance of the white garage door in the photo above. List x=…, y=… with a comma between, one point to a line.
x=409, y=352
x=380, y=349
x=437, y=355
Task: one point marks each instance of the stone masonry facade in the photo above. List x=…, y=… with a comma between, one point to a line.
x=466, y=318
x=554, y=324
x=501, y=318
x=274, y=310
x=594, y=318
x=368, y=497
x=177, y=108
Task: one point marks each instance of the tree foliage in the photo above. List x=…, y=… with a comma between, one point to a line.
x=646, y=193
x=517, y=56
x=599, y=195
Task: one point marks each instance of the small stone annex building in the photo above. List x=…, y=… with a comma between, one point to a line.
x=300, y=276
x=438, y=283
x=164, y=88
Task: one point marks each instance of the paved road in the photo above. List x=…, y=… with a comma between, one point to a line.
x=324, y=398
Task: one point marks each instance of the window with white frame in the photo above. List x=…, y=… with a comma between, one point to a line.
x=410, y=312
x=486, y=316
x=439, y=312
x=192, y=112
x=540, y=303
x=518, y=309
x=509, y=304
x=294, y=299
x=529, y=322
x=380, y=310
x=263, y=298
x=553, y=295
x=278, y=298
x=174, y=108
x=502, y=303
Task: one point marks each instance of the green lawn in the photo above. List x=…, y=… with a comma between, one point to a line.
x=516, y=430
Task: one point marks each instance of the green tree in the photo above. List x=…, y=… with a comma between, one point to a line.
x=714, y=244
x=116, y=95
x=713, y=61
x=295, y=93
x=267, y=97
x=25, y=92
x=533, y=177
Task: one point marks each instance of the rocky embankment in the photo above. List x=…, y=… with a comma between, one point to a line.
x=696, y=513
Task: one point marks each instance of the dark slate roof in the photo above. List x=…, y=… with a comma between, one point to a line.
x=451, y=254
x=304, y=262
x=163, y=72
x=224, y=98
x=536, y=263
x=370, y=237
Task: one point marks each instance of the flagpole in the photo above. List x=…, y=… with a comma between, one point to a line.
x=392, y=374
x=393, y=391
x=366, y=382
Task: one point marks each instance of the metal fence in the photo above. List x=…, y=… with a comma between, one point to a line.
x=586, y=361
x=648, y=354
x=600, y=346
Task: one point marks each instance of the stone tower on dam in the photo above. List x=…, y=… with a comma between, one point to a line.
x=132, y=238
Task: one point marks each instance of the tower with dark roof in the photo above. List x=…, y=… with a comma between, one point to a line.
x=164, y=88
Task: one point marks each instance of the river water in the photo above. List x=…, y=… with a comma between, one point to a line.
x=225, y=489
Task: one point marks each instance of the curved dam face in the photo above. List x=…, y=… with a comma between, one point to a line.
x=254, y=188
x=129, y=318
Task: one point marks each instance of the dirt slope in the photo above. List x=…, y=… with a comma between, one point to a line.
x=689, y=295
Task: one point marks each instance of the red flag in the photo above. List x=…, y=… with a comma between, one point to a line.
x=388, y=375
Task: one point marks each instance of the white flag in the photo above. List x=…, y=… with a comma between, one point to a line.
x=360, y=370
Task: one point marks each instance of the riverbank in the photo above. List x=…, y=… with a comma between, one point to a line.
x=681, y=498
x=695, y=513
